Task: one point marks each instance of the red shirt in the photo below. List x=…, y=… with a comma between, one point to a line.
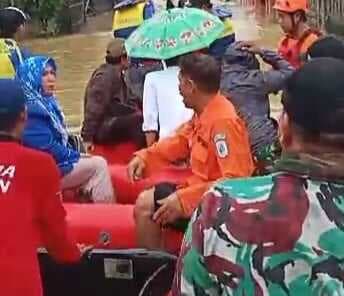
x=30, y=208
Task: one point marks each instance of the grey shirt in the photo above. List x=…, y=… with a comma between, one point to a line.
x=249, y=89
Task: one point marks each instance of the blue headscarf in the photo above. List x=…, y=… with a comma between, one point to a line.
x=30, y=74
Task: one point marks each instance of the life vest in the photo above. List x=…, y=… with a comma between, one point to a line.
x=292, y=49
x=218, y=48
x=225, y=15
x=128, y=15
x=229, y=27
x=7, y=48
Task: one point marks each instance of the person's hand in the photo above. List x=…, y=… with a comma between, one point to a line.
x=136, y=168
x=84, y=249
x=250, y=47
x=170, y=210
x=89, y=146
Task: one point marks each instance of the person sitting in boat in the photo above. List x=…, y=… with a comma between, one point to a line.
x=215, y=142
x=30, y=203
x=109, y=116
x=12, y=30
x=279, y=234
x=218, y=47
x=248, y=88
x=292, y=17
x=163, y=107
x=136, y=74
x=129, y=14
x=46, y=131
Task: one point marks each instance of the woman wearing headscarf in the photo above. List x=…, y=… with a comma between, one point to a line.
x=46, y=131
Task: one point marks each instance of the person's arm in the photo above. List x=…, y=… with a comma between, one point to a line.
x=97, y=97
x=230, y=144
x=226, y=224
x=150, y=112
x=50, y=214
x=119, y=128
x=151, y=138
x=275, y=78
x=38, y=135
x=167, y=150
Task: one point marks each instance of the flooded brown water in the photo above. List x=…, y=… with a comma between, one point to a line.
x=78, y=55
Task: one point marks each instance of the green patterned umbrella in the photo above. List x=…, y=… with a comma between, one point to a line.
x=174, y=32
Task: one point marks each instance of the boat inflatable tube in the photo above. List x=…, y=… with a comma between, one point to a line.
x=116, y=154
x=112, y=227
x=127, y=192
x=102, y=226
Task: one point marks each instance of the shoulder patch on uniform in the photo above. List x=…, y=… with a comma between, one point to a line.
x=221, y=145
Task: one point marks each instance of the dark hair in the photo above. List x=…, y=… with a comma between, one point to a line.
x=327, y=47
x=10, y=21
x=112, y=60
x=314, y=98
x=201, y=3
x=203, y=69
x=172, y=62
x=9, y=121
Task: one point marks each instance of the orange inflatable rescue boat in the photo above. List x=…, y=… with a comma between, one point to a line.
x=116, y=265
x=110, y=227
x=118, y=157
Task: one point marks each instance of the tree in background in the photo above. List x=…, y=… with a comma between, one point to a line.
x=44, y=11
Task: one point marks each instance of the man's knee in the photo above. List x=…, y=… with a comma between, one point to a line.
x=144, y=205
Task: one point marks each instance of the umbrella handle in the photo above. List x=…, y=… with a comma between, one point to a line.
x=164, y=66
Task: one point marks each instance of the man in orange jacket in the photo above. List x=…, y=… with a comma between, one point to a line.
x=292, y=17
x=30, y=205
x=215, y=142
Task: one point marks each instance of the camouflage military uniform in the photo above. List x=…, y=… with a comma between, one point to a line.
x=278, y=235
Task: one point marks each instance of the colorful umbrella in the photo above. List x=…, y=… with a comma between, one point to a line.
x=174, y=32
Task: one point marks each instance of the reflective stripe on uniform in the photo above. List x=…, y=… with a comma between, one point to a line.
x=128, y=17
x=7, y=47
x=229, y=27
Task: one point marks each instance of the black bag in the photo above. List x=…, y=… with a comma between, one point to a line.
x=110, y=272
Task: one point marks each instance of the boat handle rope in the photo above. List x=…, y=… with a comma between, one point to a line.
x=151, y=278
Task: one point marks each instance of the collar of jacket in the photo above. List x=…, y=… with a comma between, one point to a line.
x=7, y=137
x=210, y=108
x=316, y=166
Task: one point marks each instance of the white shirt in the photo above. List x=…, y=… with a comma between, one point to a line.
x=163, y=107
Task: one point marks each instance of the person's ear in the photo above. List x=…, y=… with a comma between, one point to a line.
x=297, y=17
x=23, y=116
x=191, y=86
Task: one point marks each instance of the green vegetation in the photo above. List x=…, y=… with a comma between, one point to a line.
x=48, y=16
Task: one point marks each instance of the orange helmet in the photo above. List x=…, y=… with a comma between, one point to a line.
x=291, y=6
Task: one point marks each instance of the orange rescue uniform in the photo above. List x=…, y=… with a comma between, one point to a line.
x=217, y=145
x=292, y=49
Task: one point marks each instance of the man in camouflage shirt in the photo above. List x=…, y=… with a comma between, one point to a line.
x=281, y=234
